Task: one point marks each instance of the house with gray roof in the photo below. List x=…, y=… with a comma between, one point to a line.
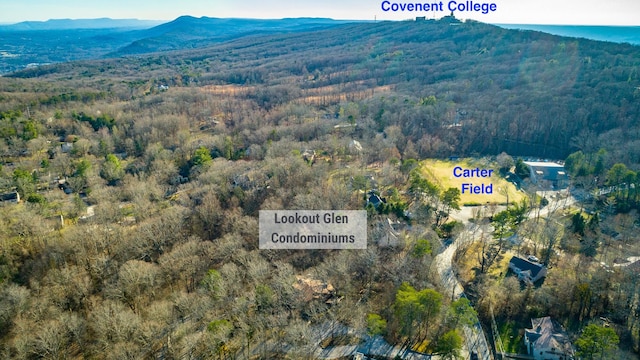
x=546, y=340
x=527, y=271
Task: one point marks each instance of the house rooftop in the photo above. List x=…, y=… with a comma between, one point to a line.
x=10, y=196
x=525, y=265
x=549, y=171
x=543, y=164
x=548, y=334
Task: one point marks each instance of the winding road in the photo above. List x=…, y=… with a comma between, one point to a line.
x=475, y=340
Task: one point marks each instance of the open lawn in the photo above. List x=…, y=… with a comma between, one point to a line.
x=512, y=336
x=469, y=265
x=442, y=173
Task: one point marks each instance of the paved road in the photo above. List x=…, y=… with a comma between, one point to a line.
x=558, y=200
x=475, y=340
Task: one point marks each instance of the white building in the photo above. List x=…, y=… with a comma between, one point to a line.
x=547, y=340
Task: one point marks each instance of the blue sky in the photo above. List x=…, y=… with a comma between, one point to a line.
x=584, y=12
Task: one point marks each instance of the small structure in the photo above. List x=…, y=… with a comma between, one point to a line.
x=64, y=186
x=548, y=174
x=527, y=271
x=375, y=199
x=547, y=340
x=10, y=197
x=451, y=19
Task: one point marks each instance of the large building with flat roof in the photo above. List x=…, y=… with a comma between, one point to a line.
x=548, y=174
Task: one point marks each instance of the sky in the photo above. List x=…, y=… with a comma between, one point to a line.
x=559, y=12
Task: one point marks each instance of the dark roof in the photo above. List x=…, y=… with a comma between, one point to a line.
x=12, y=196
x=550, y=173
x=524, y=265
x=532, y=335
x=555, y=174
x=375, y=200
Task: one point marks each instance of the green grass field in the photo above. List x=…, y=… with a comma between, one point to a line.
x=512, y=335
x=441, y=173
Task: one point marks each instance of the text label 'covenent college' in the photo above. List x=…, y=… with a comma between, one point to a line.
x=453, y=6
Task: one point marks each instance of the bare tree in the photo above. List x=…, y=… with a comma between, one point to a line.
x=137, y=279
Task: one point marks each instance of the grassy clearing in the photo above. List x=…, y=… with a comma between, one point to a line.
x=499, y=269
x=441, y=173
x=512, y=336
x=468, y=265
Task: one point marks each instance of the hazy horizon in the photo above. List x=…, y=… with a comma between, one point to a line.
x=298, y=17
x=534, y=12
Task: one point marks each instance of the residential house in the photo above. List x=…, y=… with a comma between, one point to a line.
x=527, y=271
x=375, y=199
x=389, y=233
x=11, y=197
x=546, y=340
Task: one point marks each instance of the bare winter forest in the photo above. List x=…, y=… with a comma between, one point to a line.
x=140, y=179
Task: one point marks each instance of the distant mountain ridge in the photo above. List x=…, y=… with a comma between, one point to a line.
x=618, y=34
x=69, y=24
x=36, y=43
x=191, y=32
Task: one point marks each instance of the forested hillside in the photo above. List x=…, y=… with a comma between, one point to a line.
x=141, y=179
x=28, y=44
x=495, y=90
x=188, y=32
